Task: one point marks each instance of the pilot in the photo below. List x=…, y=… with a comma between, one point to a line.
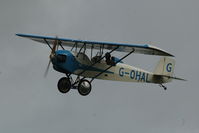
x=109, y=59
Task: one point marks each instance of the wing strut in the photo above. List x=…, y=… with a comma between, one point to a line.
x=111, y=65
x=48, y=44
x=97, y=61
x=60, y=43
x=81, y=49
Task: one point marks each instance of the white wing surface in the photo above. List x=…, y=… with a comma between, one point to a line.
x=138, y=48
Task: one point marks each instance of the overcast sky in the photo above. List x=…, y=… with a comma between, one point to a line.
x=31, y=103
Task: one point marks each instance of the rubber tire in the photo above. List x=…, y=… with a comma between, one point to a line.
x=79, y=88
x=63, y=81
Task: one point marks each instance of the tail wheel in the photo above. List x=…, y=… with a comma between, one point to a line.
x=64, y=85
x=84, y=87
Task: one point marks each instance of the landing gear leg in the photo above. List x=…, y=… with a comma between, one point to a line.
x=82, y=85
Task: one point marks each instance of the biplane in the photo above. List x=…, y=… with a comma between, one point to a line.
x=102, y=65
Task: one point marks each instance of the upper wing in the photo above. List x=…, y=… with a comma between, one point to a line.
x=138, y=48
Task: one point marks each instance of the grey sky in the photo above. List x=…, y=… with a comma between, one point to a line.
x=31, y=103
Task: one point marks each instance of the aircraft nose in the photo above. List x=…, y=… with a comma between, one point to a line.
x=53, y=59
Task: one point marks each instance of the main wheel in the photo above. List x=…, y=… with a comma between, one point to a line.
x=64, y=85
x=84, y=87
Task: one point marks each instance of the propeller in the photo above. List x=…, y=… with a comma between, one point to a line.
x=47, y=69
x=52, y=54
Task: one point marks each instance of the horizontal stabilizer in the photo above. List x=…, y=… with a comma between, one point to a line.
x=169, y=77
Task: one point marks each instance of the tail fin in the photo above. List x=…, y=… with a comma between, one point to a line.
x=164, y=70
x=165, y=66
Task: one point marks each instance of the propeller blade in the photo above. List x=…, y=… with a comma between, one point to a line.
x=47, y=69
x=54, y=48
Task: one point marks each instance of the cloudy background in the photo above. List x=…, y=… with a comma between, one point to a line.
x=31, y=103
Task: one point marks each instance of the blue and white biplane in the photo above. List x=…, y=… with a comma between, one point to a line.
x=102, y=65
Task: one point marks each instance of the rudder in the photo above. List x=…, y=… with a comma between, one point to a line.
x=165, y=66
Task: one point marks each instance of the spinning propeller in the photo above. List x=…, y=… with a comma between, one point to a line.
x=52, y=54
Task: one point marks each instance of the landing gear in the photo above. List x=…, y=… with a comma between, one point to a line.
x=84, y=87
x=64, y=85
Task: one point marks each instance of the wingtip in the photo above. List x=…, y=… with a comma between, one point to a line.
x=23, y=35
x=18, y=34
x=160, y=51
x=171, y=55
x=168, y=54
